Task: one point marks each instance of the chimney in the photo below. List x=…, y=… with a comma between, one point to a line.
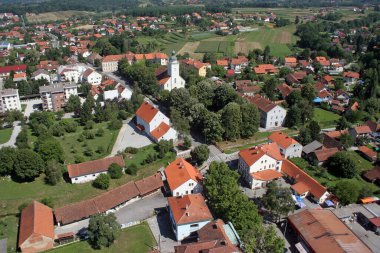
x=187, y=214
x=187, y=206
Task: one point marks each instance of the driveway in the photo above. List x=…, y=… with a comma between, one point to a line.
x=129, y=136
x=163, y=233
x=15, y=132
x=29, y=105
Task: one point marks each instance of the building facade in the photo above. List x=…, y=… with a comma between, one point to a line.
x=289, y=147
x=10, y=100
x=55, y=96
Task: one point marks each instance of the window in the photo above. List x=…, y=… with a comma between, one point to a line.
x=93, y=175
x=187, y=192
x=177, y=193
x=194, y=225
x=76, y=179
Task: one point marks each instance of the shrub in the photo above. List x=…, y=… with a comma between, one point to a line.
x=80, y=138
x=100, y=132
x=89, y=125
x=131, y=150
x=102, y=182
x=48, y=202
x=100, y=150
x=115, y=124
x=57, y=130
x=115, y=171
x=78, y=159
x=89, y=134
x=150, y=158
x=88, y=152
x=131, y=169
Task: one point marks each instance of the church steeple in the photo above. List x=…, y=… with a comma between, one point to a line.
x=173, y=66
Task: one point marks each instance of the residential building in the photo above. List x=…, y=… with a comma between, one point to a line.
x=285, y=90
x=238, y=64
x=271, y=115
x=199, y=66
x=311, y=147
x=6, y=70
x=246, y=87
x=360, y=131
x=304, y=185
x=320, y=231
x=350, y=77
x=89, y=171
x=289, y=147
x=92, y=77
x=321, y=156
x=169, y=78
x=36, y=231
x=295, y=78
x=55, y=96
x=368, y=153
x=372, y=175
x=154, y=123
x=41, y=74
x=9, y=100
x=188, y=214
x=265, y=69
x=72, y=74
x=260, y=164
x=17, y=77
x=110, y=94
x=183, y=178
x=216, y=236
x=291, y=62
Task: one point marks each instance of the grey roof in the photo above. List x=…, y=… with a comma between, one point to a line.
x=55, y=88
x=9, y=92
x=40, y=71
x=3, y=245
x=312, y=146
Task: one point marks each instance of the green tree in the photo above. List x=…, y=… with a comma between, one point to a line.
x=343, y=165
x=53, y=172
x=346, y=140
x=263, y=240
x=22, y=139
x=27, y=165
x=308, y=92
x=163, y=147
x=7, y=160
x=347, y=191
x=293, y=116
x=49, y=148
x=187, y=142
x=102, y=182
x=85, y=113
x=278, y=201
x=212, y=130
x=224, y=94
x=115, y=171
x=103, y=229
x=115, y=124
x=294, y=98
x=231, y=119
x=342, y=124
x=270, y=87
x=250, y=120
x=73, y=104
x=304, y=136
x=204, y=92
x=180, y=123
x=200, y=154
x=132, y=169
x=266, y=55
x=315, y=130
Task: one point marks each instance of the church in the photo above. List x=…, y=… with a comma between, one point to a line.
x=168, y=77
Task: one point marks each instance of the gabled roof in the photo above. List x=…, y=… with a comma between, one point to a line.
x=351, y=74
x=262, y=103
x=149, y=184
x=36, y=219
x=368, y=152
x=323, y=155
x=372, y=174
x=282, y=139
x=266, y=175
x=251, y=155
x=15, y=68
x=285, y=89
x=160, y=131
x=95, y=166
x=364, y=129
x=189, y=209
x=179, y=172
x=312, y=147
x=147, y=112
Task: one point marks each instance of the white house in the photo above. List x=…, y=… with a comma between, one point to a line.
x=169, y=78
x=183, y=178
x=110, y=94
x=92, y=77
x=260, y=164
x=124, y=92
x=71, y=73
x=89, y=171
x=271, y=115
x=41, y=74
x=188, y=214
x=9, y=100
x=154, y=123
x=289, y=147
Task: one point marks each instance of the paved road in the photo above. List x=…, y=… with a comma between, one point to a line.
x=29, y=105
x=15, y=132
x=163, y=233
x=136, y=211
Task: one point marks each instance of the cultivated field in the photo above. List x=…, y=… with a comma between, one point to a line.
x=84, y=27
x=53, y=16
x=190, y=48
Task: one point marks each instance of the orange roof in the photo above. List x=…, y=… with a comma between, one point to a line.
x=328, y=78
x=282, y=139
x=251, y=155
x=321, y=58
x=36, y=219
x=300, y=188
x=159, y=131
x=161, y=56
x=323, y=232
x=266, y=175
x=19, y=75
x=150, y=56
x=222, y=62
x=139, y=57
x=290, y=59
x=265, y=69
x=364, y=129
x=351, y=74
x=292, y=170
x=95, y=166
x=189, y=209
x=179, y=172
x=324, y=154
x=115, y=57
x=146, y=112
x=368, y=152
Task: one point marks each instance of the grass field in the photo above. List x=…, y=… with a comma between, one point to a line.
x=325, y=118
x=54, y=16
x=5, y=135
x=136, y=239
x=221, y=47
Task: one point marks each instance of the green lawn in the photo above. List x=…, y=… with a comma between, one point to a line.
x=143, y=153
x=325, y=118
x=9, y=230
x=5, y=135
x=361, y=162
x=136, y=239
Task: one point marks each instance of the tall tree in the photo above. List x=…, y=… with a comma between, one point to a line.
x=315, y=130
x=224, y=94
x=212, y=130
x=7, y=160
x=250, y=120
x=343, y=165
x=263, y=240
x=269, y=88
x=180, y=123
x=231, y=119
x=53, y=172
x=49, y=148
x=28, y=165
x=200, y=154
x=103, y=229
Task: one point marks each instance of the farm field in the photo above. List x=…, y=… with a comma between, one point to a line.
x=54, y=16
x=136, y=239
x=5, y=135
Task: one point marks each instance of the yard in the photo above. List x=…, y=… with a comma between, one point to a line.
x=136, y=239
x=5, y=135
x=325, y=118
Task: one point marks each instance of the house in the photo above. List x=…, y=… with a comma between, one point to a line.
x=368, y=153
x=199, y=66
x=110, y=62
x=7, y=70
x=154, y=123
x=92, y=77
x=149, y=185
x=289, y=147
x=246, y=87
x=322, y=155
x=285, y=90
x=36, y=230
x=9, y=100
x=183, y=178
x=89, y=171
x=216, y=236
x=372, y=175
x=271, y=115
x=265, y=69
x=188, y=214
x=323, y=61
x=55, y=96
x=304, y=185
x=169, y=78
x=238, y=64
x=350, y=77
x=290, y=62
x=41, y=74
x=360, y=131
x=311, y=147
x=320, y=231
x=17, y=77
x=124, y=91
x=260, y=164
x=295, y=78
x=222, y=63
x=325, y=96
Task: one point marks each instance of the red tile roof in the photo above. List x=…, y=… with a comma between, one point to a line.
x=15, y=68
x=364, y=129
x=146, y=112
x=179, y=172
x=265, y=69
x=282, y=139
x=324, y=232
x=95, y=166
x=149, y=184
x=323, y=155
x=262, y=103
x=222, y=63
x=375, y=221
x=36, y=219
x=266, y=175
x=285, y=89
x=351, y=74
x=368, y=152
x=251, y=155
x=189, y=209
x=160, y=131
